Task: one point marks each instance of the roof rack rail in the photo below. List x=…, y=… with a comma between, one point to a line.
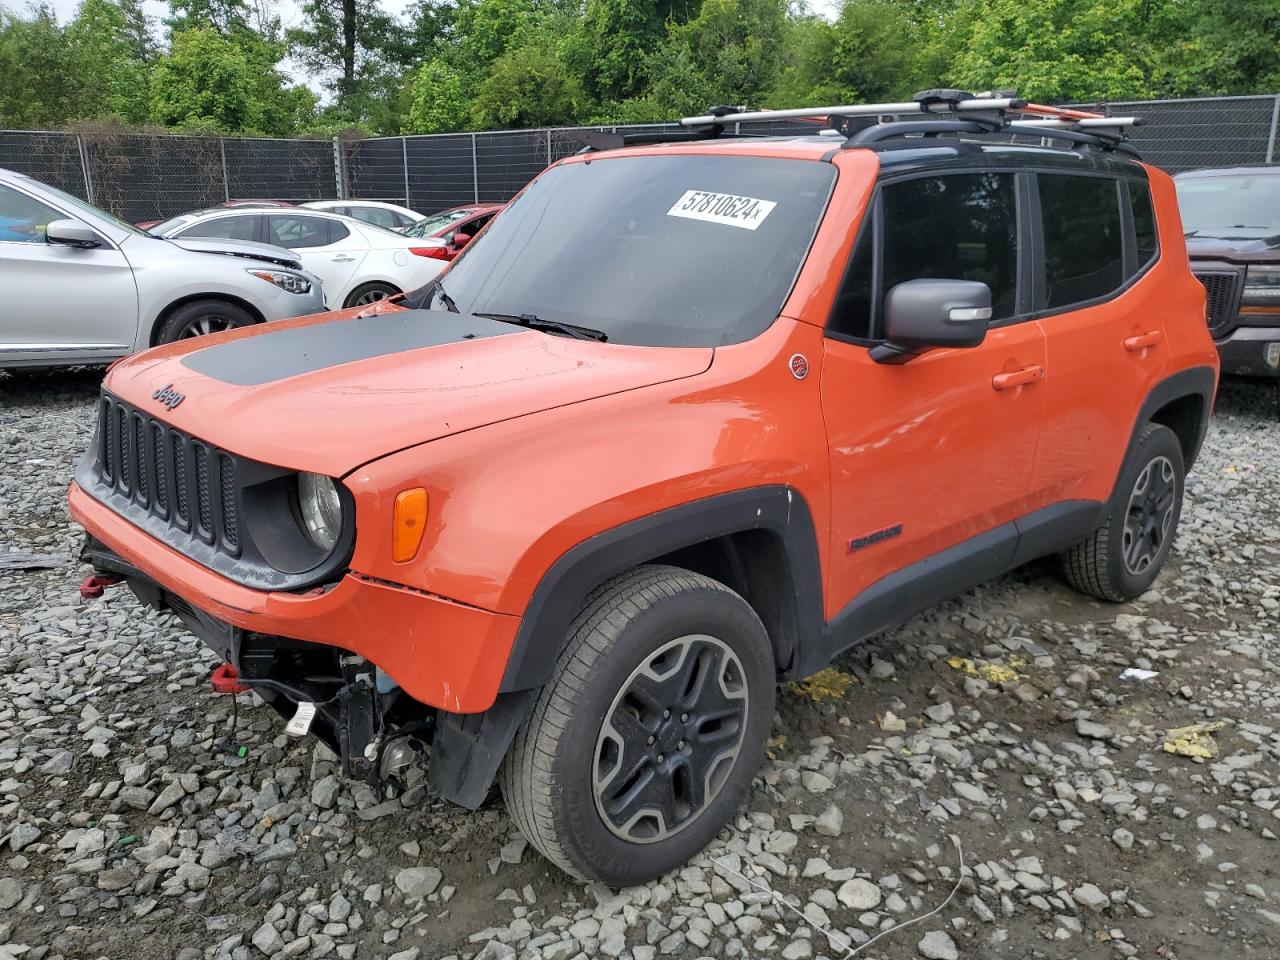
x=992, y=112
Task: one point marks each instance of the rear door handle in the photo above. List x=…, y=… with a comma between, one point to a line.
x=1018, y=378
x=343, y=258
x=1142, y=341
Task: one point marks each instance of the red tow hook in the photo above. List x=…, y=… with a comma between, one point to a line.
x=92, y=587
x=225, y=679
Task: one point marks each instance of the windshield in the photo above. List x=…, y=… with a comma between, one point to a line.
x=1240, y=206
x=160, y=229
x=437, y=221
x=683, y=250
x=83, y=207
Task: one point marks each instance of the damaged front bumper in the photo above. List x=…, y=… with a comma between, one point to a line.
x=380, y=663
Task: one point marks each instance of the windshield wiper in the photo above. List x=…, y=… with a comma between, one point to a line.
x=551, y=326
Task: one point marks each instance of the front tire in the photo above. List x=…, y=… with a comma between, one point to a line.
x=201, y=317
x=1122, y=558
x=644, y=743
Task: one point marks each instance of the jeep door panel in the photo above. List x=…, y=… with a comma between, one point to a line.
x=928, y=454
x=1104, y=319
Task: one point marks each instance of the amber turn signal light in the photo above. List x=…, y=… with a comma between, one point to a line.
x=410, y=523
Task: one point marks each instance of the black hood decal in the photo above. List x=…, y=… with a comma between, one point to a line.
x=278, y=355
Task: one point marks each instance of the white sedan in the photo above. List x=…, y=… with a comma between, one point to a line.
x=389, y=215
x=357, y=262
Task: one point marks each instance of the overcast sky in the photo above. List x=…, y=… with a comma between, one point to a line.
x=291, y=15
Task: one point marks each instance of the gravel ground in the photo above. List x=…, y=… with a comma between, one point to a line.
x=998, y=721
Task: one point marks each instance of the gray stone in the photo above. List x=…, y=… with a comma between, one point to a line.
x=858, y=894
x=1090, y=897
x=937, y=945
x=267, y=939
x=418, y=881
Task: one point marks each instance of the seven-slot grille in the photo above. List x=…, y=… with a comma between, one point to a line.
x=1222, y=289
x=169, y=474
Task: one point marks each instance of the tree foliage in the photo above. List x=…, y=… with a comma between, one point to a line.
x=458, y=64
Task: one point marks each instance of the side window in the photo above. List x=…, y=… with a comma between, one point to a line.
x=338, y=231
x=958, y=227
x=1144, y=221
x=224, y=228
x=22, y=219
x=296, y=232
x=852, y=315
x=1083, y=240
x=378, y=217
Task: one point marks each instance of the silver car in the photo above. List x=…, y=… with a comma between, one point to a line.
x=79, y=286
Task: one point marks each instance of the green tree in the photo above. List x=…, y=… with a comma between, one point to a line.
x=438, y=101
x=109, y=47
x=37, y=81
x=350, y=44
x=529, y=86
x=210, y=81
x=1055, y=51
x=730, y=53
x=1213, y=47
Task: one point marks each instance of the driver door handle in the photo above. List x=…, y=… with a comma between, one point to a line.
x=1142, y=341
x=1018, y=378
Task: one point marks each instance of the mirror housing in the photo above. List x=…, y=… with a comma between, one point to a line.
x=72, y=233
x=924, y=314
x=460, y=240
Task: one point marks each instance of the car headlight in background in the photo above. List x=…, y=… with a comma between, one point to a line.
x=1261, y=295
x=321, y=509
x=289, y=282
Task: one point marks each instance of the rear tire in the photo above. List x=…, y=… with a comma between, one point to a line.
x=645, y=741
x=1122, y=558
x=368, y=293
x=201, y=317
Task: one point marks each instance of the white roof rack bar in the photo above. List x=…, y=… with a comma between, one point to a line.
x=1100, y=123
x=855, y=110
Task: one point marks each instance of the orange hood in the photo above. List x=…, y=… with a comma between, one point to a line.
x=328, y=395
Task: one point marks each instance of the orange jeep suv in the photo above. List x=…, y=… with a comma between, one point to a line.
x=689, y=418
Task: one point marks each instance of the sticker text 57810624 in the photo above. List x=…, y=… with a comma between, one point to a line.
x=723, y=208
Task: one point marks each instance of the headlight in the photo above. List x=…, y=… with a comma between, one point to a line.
x=1261, y=289
x=321, y=509
x=289, y=282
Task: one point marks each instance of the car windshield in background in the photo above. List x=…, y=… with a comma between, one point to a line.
x=681, y=250
x=437, y=221
x=1239, y=206
x=160, y=229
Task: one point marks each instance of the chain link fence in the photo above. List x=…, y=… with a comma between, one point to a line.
x=154, y=176
x=148, y=176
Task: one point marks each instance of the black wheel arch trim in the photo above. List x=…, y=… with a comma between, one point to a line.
x=780, y=510
x=1198, y=382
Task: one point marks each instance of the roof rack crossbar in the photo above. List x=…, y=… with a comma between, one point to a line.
x=859, y=110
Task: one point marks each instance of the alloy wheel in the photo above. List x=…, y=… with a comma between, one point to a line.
x=1149, y=515
x=371, y=296
x=205, y=324
x=669, y=740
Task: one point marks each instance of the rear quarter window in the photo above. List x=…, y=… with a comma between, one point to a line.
x=1083, y=238
x=1144, y=222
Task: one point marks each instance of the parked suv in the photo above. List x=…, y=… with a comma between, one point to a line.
x=1232, y=223
x=686, y=420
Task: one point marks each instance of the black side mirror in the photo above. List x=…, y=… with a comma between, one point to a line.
x=922, y=314
x=72, y=233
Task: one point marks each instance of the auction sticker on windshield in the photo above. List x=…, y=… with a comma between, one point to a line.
x=723, y=208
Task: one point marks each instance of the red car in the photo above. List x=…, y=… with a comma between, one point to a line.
x=148, y=224
x=456, y=226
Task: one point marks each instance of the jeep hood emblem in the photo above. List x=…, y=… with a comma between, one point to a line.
x=168, y=396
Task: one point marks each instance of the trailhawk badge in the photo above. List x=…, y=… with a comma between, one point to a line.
x=169, y=396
